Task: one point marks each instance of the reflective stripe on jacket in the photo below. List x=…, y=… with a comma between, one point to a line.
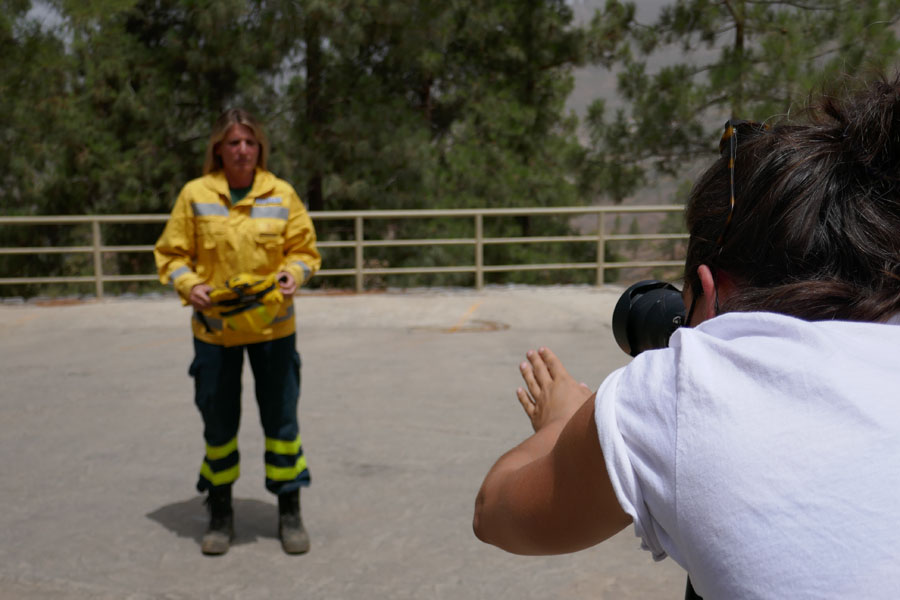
x=207, y=240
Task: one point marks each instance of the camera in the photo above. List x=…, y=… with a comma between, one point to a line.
x=646, y=315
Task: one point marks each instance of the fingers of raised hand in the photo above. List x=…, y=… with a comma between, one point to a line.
x=552, y=363
x=526, y=402
x=541, y=374
x=534, y=387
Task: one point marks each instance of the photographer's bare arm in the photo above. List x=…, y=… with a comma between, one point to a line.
x=551, y=493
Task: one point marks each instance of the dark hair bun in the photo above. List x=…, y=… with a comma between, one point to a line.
x=869, y=126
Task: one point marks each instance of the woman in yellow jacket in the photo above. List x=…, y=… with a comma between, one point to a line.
x=241, y=225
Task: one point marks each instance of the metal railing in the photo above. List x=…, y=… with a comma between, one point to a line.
x=359, y=243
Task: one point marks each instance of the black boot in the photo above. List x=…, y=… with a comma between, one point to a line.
x=294, y=538
x=218, y=536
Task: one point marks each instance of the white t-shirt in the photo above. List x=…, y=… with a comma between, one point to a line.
x=762, y=453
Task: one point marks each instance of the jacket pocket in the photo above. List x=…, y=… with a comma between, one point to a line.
x=210, y=244
x=270, y=247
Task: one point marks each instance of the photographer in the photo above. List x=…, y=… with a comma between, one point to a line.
x=760, y=448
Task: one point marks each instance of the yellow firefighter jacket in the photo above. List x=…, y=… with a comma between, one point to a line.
x=207, y=240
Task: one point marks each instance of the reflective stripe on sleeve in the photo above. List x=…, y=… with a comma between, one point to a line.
x=269, y=212
x=271, y=200
x=179, y=272
x=307, y=272
x=206, y=209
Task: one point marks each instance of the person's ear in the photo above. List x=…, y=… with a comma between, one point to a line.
x=706, y=303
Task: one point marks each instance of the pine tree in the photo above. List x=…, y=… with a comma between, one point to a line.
x=369, y=104
x=752, y=59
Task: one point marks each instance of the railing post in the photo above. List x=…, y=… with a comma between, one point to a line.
x=98, y=258
x=358, y=227
x=479, y=251
x=601, y=246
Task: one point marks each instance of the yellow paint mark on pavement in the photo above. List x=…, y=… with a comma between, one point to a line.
x=465, y=317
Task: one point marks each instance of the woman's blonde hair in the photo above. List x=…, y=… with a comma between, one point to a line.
x=234, y=116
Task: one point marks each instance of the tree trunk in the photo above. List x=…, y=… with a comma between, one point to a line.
x=315, y=116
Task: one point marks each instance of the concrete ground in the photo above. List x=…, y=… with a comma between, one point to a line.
x=407, y=400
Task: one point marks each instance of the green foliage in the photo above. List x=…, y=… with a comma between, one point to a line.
x=424, y=104
x=105, y=106
x=702, y=62
x=370, y=104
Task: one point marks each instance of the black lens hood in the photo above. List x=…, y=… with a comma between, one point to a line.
x=646, y=315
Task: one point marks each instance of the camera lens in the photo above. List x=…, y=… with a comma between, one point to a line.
x=646, y=315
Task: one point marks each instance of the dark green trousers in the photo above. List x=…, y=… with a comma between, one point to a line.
x=217, y=384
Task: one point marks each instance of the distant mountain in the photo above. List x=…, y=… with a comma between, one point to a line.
x=596, y=82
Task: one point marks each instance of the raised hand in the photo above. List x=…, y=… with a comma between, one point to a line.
x=552, y=394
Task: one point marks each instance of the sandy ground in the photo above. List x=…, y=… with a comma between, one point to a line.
x=407, y=400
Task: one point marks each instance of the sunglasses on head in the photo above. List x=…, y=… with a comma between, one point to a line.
x=734, y=129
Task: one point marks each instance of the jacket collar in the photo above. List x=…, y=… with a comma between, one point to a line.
x=263, y=183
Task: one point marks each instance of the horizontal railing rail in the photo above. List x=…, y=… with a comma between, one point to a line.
x=359, y=243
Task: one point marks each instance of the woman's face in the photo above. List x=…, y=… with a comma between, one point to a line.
x=239, y=151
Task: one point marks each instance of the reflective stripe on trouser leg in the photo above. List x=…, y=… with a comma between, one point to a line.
x=217, y=382
x=285, y=464
x=221, y=465
x=276, y=373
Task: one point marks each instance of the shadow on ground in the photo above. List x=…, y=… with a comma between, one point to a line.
x=254, y=519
